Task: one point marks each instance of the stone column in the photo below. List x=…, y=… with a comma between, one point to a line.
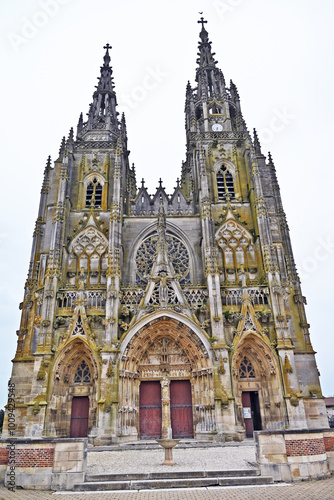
x=166, y=425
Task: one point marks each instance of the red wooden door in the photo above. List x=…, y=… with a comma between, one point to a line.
x=79, y=416
x=150, y=414
x=181, y=409
x=252, y=414
x=247, y=408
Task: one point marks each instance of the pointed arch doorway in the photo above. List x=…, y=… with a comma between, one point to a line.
x=165, y=353
x=258, y=389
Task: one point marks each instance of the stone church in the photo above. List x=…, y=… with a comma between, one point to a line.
x=175, y=315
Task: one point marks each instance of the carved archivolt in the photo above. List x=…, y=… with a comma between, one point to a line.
x=258, y=355
x=71, y=357
x=164, y=343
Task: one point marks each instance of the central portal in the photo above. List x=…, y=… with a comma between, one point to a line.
x=181, y=409
x=166, y=383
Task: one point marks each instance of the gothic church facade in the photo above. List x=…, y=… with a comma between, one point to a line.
x=164, y=315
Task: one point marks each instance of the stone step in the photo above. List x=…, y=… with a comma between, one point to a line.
x=171, y=475
x=183, y=444
x=197, y=482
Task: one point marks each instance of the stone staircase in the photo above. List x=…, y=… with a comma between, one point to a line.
x=166, y=480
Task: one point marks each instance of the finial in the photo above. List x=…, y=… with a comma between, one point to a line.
x=202, y=21
x=234, y=89
x=48, y=163
x=143, y=183
x=80, y=123
x=188, y=89
x=203, y=34
x=160, y=184
x=177, y=183
x=106, y=57
x=257, y=144
x=62, y=146
x=270, y=160
x=71, y=135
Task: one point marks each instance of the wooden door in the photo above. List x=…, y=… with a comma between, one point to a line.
x=252, y=415
x=247, y=408
x=79, y=416
x=150, y=414
x=181, y=409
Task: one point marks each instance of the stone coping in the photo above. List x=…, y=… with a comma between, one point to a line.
x=294, y=431
x=43, y=440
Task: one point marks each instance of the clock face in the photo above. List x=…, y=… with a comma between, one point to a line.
x=217, y=127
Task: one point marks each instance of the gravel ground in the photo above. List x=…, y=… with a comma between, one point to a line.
x=190, y=459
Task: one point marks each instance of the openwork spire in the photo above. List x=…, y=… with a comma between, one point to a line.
x=102, y=115
x=210, y=79
x=206, y=59
x=106, y=79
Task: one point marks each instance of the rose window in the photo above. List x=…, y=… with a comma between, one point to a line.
x=177, y=254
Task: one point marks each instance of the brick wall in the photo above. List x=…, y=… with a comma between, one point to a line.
x=329, y=443
x=4, y=456
x=37, y=457
x=302, y=447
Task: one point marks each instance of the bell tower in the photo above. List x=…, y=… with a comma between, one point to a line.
x=246, y=246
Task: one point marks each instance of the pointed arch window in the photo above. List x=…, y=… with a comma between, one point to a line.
x=94, y=193
x=82, y=375
x=215, y=109
x=225, y=184
x=246, y=369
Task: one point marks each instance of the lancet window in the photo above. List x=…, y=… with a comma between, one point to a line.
x=225, y=184
x=94, y=193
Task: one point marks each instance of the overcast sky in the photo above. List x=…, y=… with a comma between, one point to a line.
x=278, y=53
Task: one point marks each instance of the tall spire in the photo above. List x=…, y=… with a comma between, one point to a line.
x=102, y=115
x=210, y=79
x=206, y=57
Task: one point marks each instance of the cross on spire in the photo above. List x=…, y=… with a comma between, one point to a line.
x=202, y=21
x=107, y=47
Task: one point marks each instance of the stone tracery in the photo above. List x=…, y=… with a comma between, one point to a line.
x=87, y=257
x=179, y=257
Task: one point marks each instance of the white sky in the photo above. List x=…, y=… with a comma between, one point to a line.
x=278, y=53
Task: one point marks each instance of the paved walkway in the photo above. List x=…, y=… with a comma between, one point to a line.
x=230, y=457
x=310, y=490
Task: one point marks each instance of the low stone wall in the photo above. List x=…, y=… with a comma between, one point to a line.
x=55, y=464
x=295, y=455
